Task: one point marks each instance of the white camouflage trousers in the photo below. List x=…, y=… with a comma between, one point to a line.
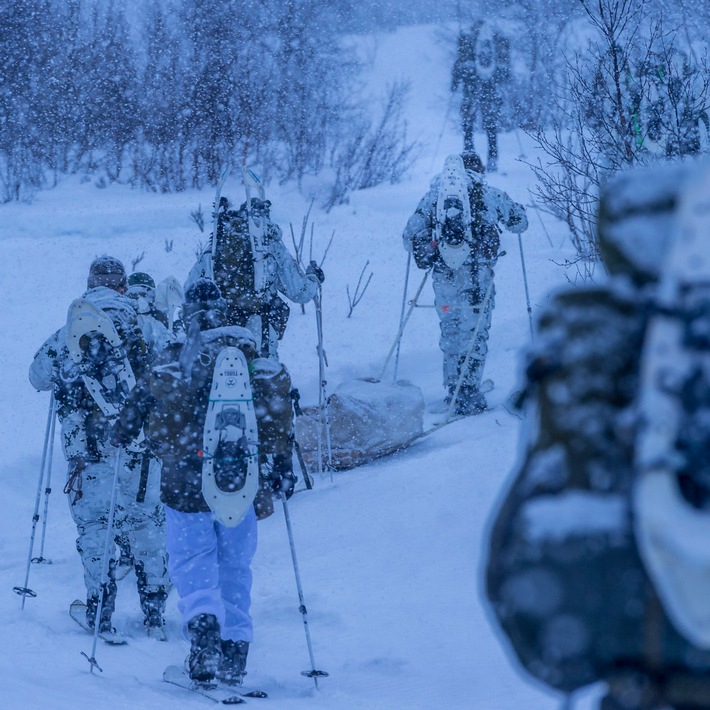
x=142, y=521
x=459, y=296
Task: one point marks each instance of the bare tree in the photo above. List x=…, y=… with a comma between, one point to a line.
x=359, y=289
x=198, y=217
x=373, y=155
x=605, y=117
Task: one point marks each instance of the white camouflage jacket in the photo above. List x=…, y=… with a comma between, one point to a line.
x=85, y=431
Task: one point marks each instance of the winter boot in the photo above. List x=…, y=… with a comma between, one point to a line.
x=205, y=651
x=234, y=661
x=107, y=609
x=92, y=605
x=469, y=401
x=153, y=605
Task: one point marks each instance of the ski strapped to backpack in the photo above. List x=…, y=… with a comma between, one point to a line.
x=215, y=223
x=257, y=228
x=169, y=296
x=230, y=465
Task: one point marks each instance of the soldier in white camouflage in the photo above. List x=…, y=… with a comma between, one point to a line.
x=460, y=240
x=86, y=434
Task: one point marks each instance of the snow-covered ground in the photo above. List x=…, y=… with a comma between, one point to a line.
x=390, y=553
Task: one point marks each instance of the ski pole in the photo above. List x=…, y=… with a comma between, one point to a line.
x=110, y=542
x=24, y=591
x=47, y=493
x=306, y=476
x=401, y=313
x=295, y=398
x=322, y=399
x=464, y=367
x=525, y=281
x=413, y=304
x=544, y=228
x=313, y=673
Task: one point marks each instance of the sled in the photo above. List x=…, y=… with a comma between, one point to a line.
x=367, y=419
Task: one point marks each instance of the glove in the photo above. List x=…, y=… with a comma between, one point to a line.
x=518, y=220
x=314, y=269
x=283, y=485
x=425, y=252
x=282, y=479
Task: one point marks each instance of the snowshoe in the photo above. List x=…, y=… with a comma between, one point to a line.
x=230, y=468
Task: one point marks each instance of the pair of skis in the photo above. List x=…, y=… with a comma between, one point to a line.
x=219, y=693
x=257, y=232
x=77, y=611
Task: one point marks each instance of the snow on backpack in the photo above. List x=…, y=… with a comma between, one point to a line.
x=590, y=572
x=461, y=228
x=485, y=52
x=94, y=344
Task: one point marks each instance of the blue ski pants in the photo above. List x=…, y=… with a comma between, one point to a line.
x=210, y=566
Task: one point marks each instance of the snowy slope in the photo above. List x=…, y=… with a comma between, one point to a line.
x=390, y=553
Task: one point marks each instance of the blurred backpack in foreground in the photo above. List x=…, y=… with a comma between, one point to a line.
x=598, y=563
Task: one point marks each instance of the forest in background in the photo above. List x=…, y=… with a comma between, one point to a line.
x=164, y=95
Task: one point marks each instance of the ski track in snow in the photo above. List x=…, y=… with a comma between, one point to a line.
x=391, y=553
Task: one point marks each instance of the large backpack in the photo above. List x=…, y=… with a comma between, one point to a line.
x=182, y=393
x=460, y=228
x=567, y=577
x=236, y=272
x=234, y=265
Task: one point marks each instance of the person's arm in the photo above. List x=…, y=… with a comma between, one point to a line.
x=298, y=287
x=44, y=370
x=505, y=211
x=134, y=413
x=418, y=234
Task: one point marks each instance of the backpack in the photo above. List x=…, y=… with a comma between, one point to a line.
x=180, y=385
x=181, y=403
x=235, y=270
x=485, y=52
x=460, y=228
x=567, y=575
x=452, y=231
x=234, y=265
